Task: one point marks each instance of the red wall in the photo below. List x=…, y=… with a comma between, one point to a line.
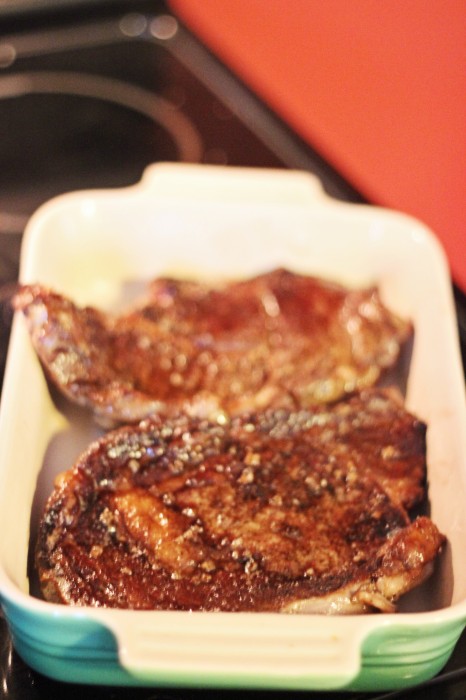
x=379, y=88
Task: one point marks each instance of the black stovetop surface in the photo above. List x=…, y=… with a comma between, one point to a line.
x=89, y=99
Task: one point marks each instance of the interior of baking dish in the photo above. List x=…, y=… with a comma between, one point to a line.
x=101, y=248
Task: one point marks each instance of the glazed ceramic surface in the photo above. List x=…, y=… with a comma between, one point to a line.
x=213, y=222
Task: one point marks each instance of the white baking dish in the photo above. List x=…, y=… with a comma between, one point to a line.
x=99, y=247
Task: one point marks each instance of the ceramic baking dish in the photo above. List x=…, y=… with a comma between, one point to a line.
x=206, y=221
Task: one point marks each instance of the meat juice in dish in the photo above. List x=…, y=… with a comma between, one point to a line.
x=265, y=473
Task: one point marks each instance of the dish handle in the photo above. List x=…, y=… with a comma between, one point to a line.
x=240, y=650
x=233, y=183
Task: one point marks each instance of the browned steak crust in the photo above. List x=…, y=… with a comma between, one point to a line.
x=272, y=511
x=279, y=339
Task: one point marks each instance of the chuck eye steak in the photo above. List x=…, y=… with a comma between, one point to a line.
x=279, y=510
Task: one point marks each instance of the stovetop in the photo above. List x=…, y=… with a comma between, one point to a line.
x=89, y=99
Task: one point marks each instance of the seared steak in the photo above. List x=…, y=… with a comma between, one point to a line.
x=280, y=339
x=271, y=511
